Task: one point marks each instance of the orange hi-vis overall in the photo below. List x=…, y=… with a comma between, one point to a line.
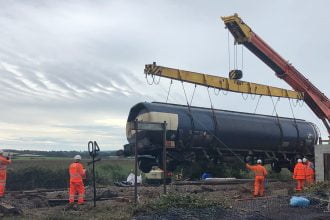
x=3, y=174
x=77, y=174
x=260, y=174
x=309, y=173
x=299, y=174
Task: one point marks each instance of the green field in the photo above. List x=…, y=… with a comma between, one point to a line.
x=53, y=172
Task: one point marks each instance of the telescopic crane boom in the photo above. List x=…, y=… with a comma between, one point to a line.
x=314, y=98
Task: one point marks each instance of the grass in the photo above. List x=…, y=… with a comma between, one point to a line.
x=53, y=173
x=320, y=189
x=58, y=162
x=185, y=201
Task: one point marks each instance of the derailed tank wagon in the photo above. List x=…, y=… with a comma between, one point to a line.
x=204, y=135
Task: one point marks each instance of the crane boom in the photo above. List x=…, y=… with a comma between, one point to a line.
x=314, y=98
x=220, y=82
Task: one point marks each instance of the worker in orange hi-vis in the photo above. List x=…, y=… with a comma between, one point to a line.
x=299, y=174
x=77, y=174
x=309, y=171
x=260, y=174
x=4, y=161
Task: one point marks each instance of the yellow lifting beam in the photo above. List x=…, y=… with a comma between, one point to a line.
x=220, y=82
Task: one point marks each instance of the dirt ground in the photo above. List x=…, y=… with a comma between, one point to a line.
x=239, y=203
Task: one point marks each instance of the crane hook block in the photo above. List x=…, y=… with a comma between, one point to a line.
x=235, y=74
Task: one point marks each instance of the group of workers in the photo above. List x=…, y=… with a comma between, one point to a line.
x=303, y=173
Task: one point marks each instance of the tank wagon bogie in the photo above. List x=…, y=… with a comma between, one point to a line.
x=204, y=135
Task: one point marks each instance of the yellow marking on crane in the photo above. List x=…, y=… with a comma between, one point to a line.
x=241, y=31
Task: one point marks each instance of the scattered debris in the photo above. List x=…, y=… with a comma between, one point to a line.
x=6, y=208
x=107, y=194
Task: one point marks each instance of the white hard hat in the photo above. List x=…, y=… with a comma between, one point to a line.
x=77, y=157
x=304, y=160
x=299, y=160
x=259, y=161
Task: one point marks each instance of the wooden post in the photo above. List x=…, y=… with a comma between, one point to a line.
x=164, y=158
x=136, y=160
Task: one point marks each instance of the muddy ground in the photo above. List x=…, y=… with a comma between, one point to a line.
x=236, y=203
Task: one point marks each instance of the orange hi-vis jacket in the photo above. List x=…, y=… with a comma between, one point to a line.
x=3, y=163
x=77, y=172
x=259, y=170
x=299, y=172
x=309, y=170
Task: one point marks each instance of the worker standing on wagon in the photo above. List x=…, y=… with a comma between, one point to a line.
x=260, y=174
x=77, y=174
x=309, y=171
x=299, y=174
x=4, y=161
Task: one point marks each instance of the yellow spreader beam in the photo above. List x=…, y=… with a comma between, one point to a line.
x=220, y=82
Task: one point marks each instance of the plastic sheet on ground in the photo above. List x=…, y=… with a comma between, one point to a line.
x=299, y=201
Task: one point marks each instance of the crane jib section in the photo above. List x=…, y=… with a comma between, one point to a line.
x=314, y=98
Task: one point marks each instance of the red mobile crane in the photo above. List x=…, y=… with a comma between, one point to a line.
x=314, y=98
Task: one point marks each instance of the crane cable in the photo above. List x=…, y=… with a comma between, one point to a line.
x=169, y=89
x=192, y=97
x=278, y=119
x=149, y=83
x=189, y=110
x=295, y=123
x=221, y=142
x=228, y=52
x=255, y=110
x=210, y=132
x=274, y=110
x=242, y=59
x=213, y=113
x=216, y=93
x=153, y=80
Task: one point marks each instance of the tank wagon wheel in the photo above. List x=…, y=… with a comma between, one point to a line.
x=248, y=158
x=171, y=166
x=146, y=164
x=291, y=165
x=275, y=166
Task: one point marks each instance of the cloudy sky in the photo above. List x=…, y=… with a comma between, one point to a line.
x=71, y=70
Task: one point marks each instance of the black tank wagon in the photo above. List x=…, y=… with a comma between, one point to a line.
x=204, y=135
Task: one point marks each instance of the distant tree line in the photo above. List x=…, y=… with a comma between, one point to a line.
x=70, y=154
